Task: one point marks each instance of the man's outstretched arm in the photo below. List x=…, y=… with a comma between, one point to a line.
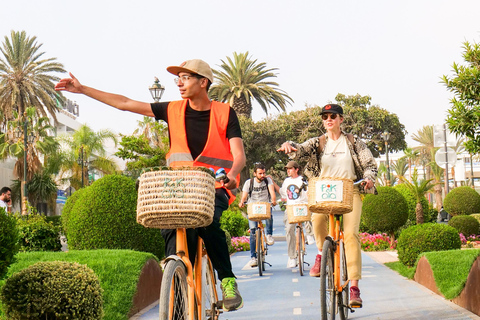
x=115, y=100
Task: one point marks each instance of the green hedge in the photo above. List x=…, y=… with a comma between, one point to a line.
x=103, y=216
x=9, y=237
x=36, y=234
x=53, y=290
x=412, y=204
x=466, y=225
x=462, y=201
x=424, y=238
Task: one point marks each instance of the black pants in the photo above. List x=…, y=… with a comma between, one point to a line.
x=213, y=237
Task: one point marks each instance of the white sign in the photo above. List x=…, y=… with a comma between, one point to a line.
x=441, y=157
x=439, y=132
x=300, y=211
x=329, y=190
x=260, y=209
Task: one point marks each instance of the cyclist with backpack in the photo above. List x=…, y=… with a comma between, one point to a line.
x=259, y=189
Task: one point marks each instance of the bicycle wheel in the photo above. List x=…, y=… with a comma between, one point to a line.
x=173, y=291
x=327, y=283
x=258, y=235
x=209, y=302
x=344, y=296
x=300, y=251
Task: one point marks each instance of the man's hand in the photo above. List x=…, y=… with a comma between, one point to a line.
x=287, y=148
x=230, y=184
x=69, y=84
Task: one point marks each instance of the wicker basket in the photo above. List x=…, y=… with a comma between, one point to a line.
x=258, y=211
x=298, y=213
x=330, y=195
x=176, y=198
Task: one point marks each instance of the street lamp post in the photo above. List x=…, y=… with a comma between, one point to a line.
x=156, y=89
x=82, y=162
x=25, y=145
x=386, y=137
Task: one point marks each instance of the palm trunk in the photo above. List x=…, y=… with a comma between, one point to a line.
x=419, y=213
x=438, y=196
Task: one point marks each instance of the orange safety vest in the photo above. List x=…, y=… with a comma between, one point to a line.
x=216, y=154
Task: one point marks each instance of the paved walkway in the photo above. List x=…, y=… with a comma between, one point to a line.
x=282, y=294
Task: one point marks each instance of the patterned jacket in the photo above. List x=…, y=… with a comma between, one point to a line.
x=363, y=161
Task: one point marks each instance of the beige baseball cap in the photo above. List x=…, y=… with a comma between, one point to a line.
x=193, y=66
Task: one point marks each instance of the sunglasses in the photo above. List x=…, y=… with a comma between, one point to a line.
x=333, y=116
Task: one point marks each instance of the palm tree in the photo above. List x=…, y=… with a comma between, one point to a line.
x=412, y=156
x=426, y=149
x=438, y=180
x=419, y=189
x=155, y=132
x=91, y=144
x=26, y=79
x=242, y=80
x=400, y=167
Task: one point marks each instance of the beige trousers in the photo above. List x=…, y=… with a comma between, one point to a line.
x=351, y=225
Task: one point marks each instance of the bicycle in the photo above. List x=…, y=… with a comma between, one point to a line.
x=300, y=247
x=298, y=214
x=334, y=283
x=257, y=214
x=188, y=291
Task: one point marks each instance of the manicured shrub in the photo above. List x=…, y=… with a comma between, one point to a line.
x=104, y=217
x=466, y=225
x=229, y=241
x=36, y=234
x=462, y=201
x=53, y=290
x=424, y=238
x=385, y=212
x=412, y=204
x=234, y=222
x=8, y=241
x=476, y=216
x=67, y=208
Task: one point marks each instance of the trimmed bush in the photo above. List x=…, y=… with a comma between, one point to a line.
x=234, y=222
x=426, y=237
x=229, y=241
x=466, y=225
x=476, y=216
x=53, y=290
x=36, y=234
x=462, y=201
x=412, y=204
x=385, y=212
x=8, y=241
x=67, y=208
x=104, y=217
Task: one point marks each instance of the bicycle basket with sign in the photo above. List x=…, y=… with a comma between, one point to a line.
x=330, y=195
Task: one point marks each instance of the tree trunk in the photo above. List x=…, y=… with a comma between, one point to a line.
x=419, y=213
x=438, y=197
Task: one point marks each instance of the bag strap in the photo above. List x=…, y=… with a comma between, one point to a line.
x=250, y=189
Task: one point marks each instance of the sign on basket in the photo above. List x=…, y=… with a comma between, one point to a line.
x=329, y=190
x=300, y=211
x=259, y=209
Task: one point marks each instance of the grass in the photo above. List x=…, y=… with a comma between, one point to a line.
x=117, y=270
x=450, y=269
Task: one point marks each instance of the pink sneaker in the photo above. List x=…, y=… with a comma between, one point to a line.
x=315, y=270
x=355, y=300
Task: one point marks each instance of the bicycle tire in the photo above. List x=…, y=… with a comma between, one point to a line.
x=300, y=251
x=209, y=301
x=174, y=288
x=344, y=296
x=327, y=282
x=258, y=235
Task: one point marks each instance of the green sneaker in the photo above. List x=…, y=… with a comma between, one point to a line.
x=232, y=300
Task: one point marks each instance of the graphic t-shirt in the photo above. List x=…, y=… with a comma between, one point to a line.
x=259, y=192
x=290, y=190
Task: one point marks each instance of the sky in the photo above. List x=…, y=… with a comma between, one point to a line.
x=393, y=51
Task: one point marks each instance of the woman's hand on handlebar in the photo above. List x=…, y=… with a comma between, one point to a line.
x=368, y=184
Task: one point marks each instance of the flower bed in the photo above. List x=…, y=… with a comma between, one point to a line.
x=376, y=242
x=472, y=241
x=241, y=243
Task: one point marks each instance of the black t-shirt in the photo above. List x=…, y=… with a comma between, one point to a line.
x=197, y=125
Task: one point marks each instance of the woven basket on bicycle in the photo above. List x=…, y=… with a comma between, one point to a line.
x=170, y=198
x=330, y=195
x=258, y=211
x=298, y=213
